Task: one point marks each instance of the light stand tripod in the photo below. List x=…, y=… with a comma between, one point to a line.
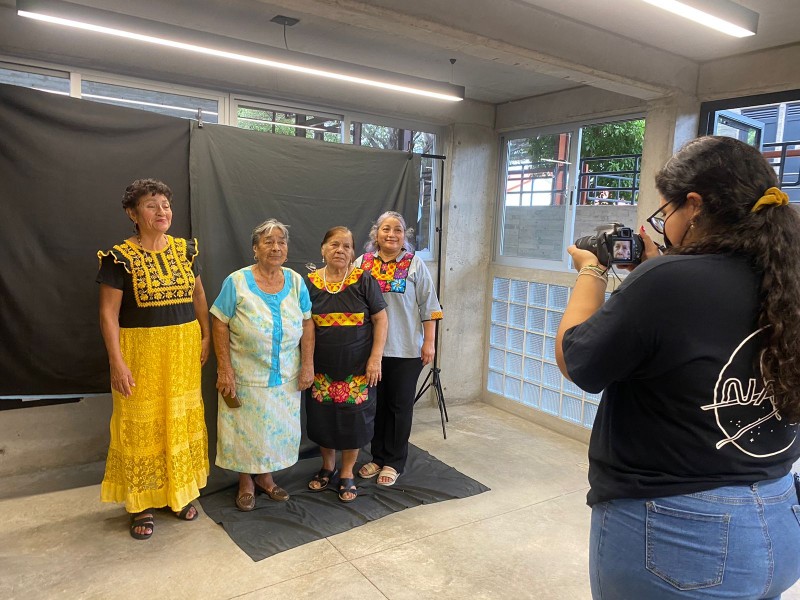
x=432, y=379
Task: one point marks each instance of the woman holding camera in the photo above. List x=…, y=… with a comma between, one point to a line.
x=695, y=436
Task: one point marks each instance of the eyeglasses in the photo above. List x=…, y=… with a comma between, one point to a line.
x=657, y=222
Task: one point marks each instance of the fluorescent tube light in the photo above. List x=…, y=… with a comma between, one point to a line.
x=722, y=15
x=108, y=23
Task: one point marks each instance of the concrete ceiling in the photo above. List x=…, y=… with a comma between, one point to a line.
x=504, y=49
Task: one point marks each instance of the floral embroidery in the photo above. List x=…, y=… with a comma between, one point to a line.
x=391, y=276
x=352, y=390
x=338, y=319
x=316, y=279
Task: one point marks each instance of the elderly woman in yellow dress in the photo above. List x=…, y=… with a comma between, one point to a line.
x=154, y=321
x=413, y=309
x=264, y=341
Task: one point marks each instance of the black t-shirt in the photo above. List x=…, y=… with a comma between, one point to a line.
x=684, y=408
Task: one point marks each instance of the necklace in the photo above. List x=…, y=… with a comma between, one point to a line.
x=340, y=284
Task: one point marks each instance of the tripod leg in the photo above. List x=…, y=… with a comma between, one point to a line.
x=440, y=394
x=424, y=388
x=437, y=385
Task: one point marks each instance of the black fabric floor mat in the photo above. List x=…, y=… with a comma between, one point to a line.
x=277, y=526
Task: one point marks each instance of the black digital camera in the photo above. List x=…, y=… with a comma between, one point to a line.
x=613, y=244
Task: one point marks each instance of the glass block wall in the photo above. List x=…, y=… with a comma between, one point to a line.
x=522, y=357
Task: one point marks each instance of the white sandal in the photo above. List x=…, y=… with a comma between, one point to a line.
x=369, y=470
x=389, y=473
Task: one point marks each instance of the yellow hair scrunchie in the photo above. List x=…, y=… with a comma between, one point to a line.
x=772, y=196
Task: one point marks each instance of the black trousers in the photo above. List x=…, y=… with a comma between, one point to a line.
x=396, y=391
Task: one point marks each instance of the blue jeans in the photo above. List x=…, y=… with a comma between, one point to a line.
x=739, y=541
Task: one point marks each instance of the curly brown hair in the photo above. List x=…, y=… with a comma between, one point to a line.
x=731, y=176
x=144, y=187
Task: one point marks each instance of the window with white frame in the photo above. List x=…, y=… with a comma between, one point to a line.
x=289, y=121
x=39, y=79
x=165, y=103
x=561, y=183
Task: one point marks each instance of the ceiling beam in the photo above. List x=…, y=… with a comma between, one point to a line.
x=549, y=45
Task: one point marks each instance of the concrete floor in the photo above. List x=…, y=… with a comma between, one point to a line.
x=527, y=538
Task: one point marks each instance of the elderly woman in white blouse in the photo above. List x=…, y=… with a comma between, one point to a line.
x=264, y=341
x=413, y=308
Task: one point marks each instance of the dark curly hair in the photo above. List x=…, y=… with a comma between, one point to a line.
x=731, y=176
x=144, y=187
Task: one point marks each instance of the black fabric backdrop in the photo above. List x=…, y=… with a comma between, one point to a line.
x=241, y=178
x=277, y=526
x=64, y=165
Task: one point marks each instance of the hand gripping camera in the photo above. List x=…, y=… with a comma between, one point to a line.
x=613, y=244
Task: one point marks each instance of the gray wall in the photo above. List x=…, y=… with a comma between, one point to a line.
x=468, y=234
x=42, y=437
x=588, y=218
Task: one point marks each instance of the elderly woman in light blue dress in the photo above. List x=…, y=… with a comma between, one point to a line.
x=264, y=341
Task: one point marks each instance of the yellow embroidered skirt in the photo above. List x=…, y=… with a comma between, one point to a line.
x=158, y=454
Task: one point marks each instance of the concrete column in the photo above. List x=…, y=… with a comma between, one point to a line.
x=470, y=198
x=669, y=123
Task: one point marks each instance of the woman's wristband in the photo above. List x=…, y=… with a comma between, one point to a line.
x=595, y=271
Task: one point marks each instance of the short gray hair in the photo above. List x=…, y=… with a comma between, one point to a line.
x=266, y=228
x=372, y=244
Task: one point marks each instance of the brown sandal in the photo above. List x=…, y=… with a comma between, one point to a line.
x=245, y=502
x=277, y=493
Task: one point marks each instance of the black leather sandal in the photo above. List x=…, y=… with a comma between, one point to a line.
x=142, y=519
x=185, y=511
x=323, y=477
x=347, y=485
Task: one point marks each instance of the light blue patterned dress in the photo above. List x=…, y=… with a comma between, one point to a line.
x=262, y=435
